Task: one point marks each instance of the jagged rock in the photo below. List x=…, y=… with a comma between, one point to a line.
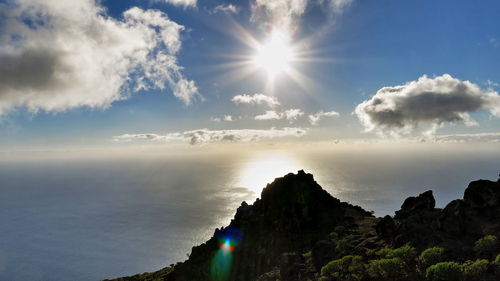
x=322, y=252
x=482, y=194
x=295, y=216
x=423, y=202
x=293, y=213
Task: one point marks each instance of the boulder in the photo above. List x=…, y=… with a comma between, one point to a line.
x=483, y=194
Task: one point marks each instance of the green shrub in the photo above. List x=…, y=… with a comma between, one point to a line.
x=475, y=270
x=393, y=268
x=486, y=247
x=497, y=260
x=406, y=253
x=431, y=256
x=444, y=271
x=383, y=252
x=348, y=268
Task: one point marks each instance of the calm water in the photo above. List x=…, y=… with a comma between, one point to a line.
x=85, y=218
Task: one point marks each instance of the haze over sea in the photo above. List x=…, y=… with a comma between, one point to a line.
x=79, y=216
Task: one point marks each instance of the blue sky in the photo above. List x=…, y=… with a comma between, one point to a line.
x=353, y=50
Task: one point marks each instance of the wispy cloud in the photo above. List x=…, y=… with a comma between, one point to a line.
x=461, y=138
x=255, y=99
x=58, y=55
x=315, y=118
x=284, y=14
x=182, y=3
x=226, y=9
x=427, y=102
x=227, y=118
x=290, y=114
x=204, y=136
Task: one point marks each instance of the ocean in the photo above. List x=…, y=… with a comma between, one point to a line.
x=90, y=216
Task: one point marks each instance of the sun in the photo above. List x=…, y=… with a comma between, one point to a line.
x=274, y=55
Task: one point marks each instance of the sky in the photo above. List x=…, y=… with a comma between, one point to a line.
x=113, y=73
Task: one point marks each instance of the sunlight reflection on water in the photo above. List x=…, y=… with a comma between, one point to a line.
x=264, y=167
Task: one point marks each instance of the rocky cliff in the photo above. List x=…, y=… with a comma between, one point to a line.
x=297, y=231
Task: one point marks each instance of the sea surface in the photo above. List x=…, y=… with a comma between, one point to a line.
x=75, y=217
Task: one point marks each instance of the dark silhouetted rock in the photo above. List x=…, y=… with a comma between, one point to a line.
x=296, y=216
x=386, y=227
x=293, y=213
x=423, y=202
x=452, y=219
x=482, y=194
x=292, y=267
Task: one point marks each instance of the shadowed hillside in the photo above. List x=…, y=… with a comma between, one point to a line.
x=297, y=231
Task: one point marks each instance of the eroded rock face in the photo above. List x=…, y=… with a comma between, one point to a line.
x=294, y=212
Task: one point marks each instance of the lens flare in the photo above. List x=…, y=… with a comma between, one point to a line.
x=229, y=238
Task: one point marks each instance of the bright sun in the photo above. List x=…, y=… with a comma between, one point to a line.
x=275, y=55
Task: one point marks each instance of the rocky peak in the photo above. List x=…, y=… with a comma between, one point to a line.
x=423, y=202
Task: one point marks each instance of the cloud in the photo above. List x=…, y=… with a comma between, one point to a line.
x=182, y=3
x=290, y=114
x=461, y=138
x=284, y=14
x=269, y=115
x=427, y=101
x=58, y=55
x=227, y=118
x=256, y=99
x=226, y=9
x=204, y=136
x=339, y=6
x=314, y=118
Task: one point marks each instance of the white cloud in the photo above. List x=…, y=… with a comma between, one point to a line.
x=290, y=114
x=339, y=6
x=256, y=99
x=269, y=115
x=314, y=118
x=227, y=118
x=283, y=14
x=226, y=9
x=58, y=55
x=430, y=102
x=204, y=136
x=183, y=3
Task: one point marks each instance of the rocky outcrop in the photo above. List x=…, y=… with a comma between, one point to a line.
x=293, y=213
x=456, y=226
x=296, y=228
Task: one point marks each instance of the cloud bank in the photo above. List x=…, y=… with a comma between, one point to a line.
x=256, y=99
x=205, y=136
x=58, y=55
x=427, y=102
